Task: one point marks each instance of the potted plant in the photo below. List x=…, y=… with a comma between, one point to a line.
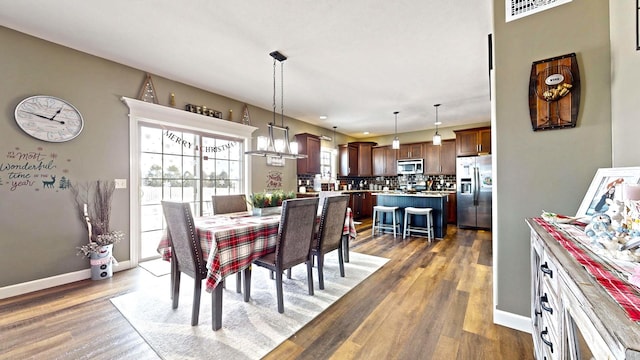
x=96, y=215
x=269, y=203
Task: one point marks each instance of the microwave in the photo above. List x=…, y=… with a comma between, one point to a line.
x=414, y=166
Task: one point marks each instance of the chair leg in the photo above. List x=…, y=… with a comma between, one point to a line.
x=320, y=256
x=341, y=261
x=195, y=310
x=176, y=290
x=309, y=276
x=405, y=229
x=345, y=247
x=239, y=282
x=373, y=223
x=216, y=308
x=246, y=273
x=279, y=291
x=289, y=273
x=394, y=223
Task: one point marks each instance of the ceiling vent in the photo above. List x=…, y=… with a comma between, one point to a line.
x=516, y=9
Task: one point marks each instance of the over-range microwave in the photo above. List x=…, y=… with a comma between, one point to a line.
x=412, y=166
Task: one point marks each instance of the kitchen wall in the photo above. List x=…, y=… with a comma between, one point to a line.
x=40, y=229
x=551, y=169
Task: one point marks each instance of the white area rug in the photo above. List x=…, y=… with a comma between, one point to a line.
x=157, y=267
x=249, y=330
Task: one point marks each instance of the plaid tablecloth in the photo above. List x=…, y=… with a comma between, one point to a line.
x=622, y=292
x=239, y=239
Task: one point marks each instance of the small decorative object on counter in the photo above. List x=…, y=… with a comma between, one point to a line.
x=265, y=203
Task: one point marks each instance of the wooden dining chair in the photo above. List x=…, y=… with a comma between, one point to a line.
x=224, y=204
x=329, y=235
x=293, y=246
x=186, y=253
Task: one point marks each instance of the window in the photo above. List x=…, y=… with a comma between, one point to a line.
x=328, y=166
x=181, y=156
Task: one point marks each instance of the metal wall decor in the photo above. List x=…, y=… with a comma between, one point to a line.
x=554, y=93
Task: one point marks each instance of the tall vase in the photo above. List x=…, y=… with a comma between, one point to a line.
x=101, y=263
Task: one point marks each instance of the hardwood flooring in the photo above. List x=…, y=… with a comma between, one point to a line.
x=430, y=301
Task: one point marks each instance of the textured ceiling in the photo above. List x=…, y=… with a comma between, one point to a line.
x=354, y=61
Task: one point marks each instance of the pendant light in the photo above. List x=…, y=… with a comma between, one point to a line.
x=437, y=139
x=271, y=146
x=396, y=141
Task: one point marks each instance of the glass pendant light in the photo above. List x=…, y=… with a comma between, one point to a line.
x=437, y=139
x=396, y=141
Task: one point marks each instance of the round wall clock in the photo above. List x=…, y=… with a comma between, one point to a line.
x=49, y=118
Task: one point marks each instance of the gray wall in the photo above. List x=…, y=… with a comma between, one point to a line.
x=40, y=230
x=552, y=169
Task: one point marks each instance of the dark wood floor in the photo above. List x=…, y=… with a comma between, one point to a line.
x=430, y=301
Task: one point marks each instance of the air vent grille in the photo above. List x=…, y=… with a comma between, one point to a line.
x=516, y=9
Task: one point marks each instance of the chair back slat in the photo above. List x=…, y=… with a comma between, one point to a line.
x=295, y=232
x=334, y=211
x=185, y=243
x=224, y=204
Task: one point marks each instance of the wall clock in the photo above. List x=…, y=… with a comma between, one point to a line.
x=49, y=118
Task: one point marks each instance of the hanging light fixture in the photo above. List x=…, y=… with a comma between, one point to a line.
x=272, y=146
x=437, y=139
x=396, y=141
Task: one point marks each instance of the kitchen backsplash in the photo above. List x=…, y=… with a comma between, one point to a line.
x=379, y=182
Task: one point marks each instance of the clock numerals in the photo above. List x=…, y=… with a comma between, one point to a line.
x=49, y=118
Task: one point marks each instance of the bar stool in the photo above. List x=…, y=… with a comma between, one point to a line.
x=378, y=211
x=427, y=212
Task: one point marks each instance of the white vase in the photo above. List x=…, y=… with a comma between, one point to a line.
x=101, y=263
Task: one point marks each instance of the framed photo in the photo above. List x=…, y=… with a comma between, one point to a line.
x=603, y=187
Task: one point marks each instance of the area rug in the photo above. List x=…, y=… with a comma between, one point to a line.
x=157, y=267
x=249, y=330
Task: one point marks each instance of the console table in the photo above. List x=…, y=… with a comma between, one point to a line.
x=573, y=315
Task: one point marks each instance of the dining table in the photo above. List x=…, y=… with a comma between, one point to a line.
x=231, y=242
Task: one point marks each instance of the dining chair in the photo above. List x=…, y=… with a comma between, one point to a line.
x=224, y=204
x=329, y=235
x=293, y=245
x=186, y=253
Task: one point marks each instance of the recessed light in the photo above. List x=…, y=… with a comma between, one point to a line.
x=366, y=133
x=438, y=123
x=323, y=117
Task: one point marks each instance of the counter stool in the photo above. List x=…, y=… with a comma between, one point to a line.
x=427, y=212
x=378, y=212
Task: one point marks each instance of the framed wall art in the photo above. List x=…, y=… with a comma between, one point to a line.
x=604, y=185
x=554, y=93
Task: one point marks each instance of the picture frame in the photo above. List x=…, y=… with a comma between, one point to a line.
x=603, y=186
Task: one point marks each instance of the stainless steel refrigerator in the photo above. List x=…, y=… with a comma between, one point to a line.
x=474, y=187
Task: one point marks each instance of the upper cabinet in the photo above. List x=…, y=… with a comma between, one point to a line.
x=471, y=142
x=440, y=159
x=355, y=159
x=384, y=161
x=309, y=145
x=411, y=151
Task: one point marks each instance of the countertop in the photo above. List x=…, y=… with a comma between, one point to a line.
x=392, y=192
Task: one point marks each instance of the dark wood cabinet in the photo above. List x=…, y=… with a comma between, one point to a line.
x=384, y=161
x=361, y=204
x=411, y=151
x=440, y=159
x=355, y=159
x=452, y=209
x=309, y=145
x=471, y=142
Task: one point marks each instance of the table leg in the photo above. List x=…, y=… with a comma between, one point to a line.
x=345, y=247
x=216, y=307
x=246, y=274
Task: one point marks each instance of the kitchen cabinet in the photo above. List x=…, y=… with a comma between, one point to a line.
x=411, y=151
x=452, y=209
x=440, y=159
x=384, y=161
x=355, y=159
x=472, y=142
x=572, y=315
x=361, y=203
x=309, y=145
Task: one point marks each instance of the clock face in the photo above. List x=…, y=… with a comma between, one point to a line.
x=49, y=118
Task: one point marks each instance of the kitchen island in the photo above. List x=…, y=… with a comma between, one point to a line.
x=436, y=200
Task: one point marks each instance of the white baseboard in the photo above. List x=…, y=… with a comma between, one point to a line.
x=513, y=321
x=62, y=279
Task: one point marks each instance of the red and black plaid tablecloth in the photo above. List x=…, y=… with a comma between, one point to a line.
x=239, y=239
x=622, y=292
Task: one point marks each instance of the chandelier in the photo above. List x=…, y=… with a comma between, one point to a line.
x=273, y=146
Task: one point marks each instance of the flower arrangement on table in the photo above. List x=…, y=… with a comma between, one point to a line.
x=96, y=217
x=270, y=199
